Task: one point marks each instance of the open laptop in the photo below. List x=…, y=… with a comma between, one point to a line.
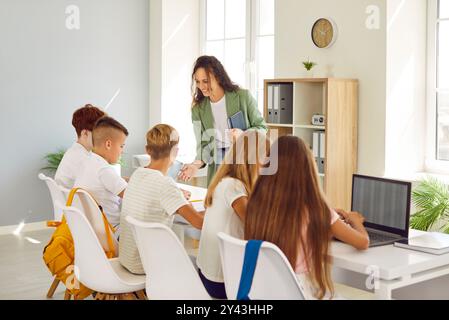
x=385, y=204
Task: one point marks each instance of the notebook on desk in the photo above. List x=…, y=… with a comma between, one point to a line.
x=237, y=121
x=430, y=242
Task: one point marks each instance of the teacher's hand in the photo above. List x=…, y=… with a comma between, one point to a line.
x=188, y=171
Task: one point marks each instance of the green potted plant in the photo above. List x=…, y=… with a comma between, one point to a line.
x=431, y=199
x=308, y=65
x=53, y=160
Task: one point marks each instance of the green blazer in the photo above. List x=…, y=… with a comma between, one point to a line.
x=203, y=124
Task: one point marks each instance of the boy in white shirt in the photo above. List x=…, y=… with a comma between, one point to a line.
x=83, y=120
x=152, y=196
x=97, y=176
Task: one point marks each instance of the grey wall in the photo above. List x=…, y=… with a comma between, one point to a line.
x=47, y=71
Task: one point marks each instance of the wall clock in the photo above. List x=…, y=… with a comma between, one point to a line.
x=324, y=33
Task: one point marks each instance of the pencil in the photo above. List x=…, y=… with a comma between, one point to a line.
x=196, y=200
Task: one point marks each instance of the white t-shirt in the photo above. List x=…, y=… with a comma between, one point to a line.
x=221, y=123
x=220, y=217
x=150, y=197
x=101, y=180
x=71, y=165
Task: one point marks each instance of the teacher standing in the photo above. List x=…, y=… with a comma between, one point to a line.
x=215, y=99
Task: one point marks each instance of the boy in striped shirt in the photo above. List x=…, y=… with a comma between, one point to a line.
x=152, y=196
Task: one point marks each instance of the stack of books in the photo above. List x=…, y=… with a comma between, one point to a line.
x=431, y=242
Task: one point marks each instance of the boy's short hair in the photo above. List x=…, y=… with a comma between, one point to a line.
x=160, y=141
x=106, y=128
x=85, y=118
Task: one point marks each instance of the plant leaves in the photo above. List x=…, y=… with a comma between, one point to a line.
x=431, y=198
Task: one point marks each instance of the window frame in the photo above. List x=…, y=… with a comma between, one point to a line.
x=432, y=164
x=251, y=37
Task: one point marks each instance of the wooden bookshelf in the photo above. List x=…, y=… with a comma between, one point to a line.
x=337, y=100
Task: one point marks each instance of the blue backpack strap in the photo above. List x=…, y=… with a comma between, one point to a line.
x=252, y=249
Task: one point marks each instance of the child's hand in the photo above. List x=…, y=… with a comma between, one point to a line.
x=187, y=194
x=355, y=218
x=351, y=218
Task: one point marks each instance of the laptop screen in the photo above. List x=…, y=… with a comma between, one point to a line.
x=384, y=203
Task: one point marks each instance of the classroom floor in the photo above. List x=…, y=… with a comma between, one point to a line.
x=24, y=276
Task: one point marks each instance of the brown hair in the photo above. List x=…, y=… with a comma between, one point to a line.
x=160, y=141
x=212, y=66
x=105, y=128
x=85, y=118
x=289, y=210
x=242, y=162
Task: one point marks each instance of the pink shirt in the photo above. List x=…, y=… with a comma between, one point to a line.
x=301, y=266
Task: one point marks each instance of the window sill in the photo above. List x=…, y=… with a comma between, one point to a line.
x=418, y=176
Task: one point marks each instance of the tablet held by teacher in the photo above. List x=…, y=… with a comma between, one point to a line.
x=221, y=111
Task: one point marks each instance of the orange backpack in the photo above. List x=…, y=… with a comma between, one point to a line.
x=59, y=253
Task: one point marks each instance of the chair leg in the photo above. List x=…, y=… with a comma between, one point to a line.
x=52, y=289
x=99, y=296
x=67, y=295
x=141, y=295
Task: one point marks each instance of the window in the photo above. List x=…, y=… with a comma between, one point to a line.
x=438, y=86
x=240, y=33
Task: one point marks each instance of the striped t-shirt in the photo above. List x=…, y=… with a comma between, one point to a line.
x=150, y=197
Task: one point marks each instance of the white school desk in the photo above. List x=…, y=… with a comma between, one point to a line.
x=391, y=268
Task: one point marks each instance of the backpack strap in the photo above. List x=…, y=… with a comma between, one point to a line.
x=252, y=249
x=107, y=226
x=70, y=197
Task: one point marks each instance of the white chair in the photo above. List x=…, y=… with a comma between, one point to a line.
x=170, y=272
x=274, y=278
x=93, y=269
x=84, y=202
x=57, y=196
x=58, y=199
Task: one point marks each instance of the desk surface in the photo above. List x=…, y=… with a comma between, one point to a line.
x=142, y=160
x=198, y=193
x=391, y=262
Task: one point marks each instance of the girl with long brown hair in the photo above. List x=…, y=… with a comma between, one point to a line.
x=290, y=210
x=226, y=202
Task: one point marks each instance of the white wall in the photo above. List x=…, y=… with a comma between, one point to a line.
x=358, y=53
x=155, y=62
x=47, y=71
x=406, y=87
x=174, y=37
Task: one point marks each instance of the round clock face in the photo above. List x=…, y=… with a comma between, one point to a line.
x=323, y=33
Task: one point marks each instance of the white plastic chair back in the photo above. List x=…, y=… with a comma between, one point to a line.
x=84, y=202
x=92, y=267
x=274, y=278
x=170, y=272
x=57, y=197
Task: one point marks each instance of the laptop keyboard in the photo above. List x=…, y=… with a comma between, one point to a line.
x=375, y=237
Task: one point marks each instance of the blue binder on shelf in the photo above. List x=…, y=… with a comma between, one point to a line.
x=237, y=121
